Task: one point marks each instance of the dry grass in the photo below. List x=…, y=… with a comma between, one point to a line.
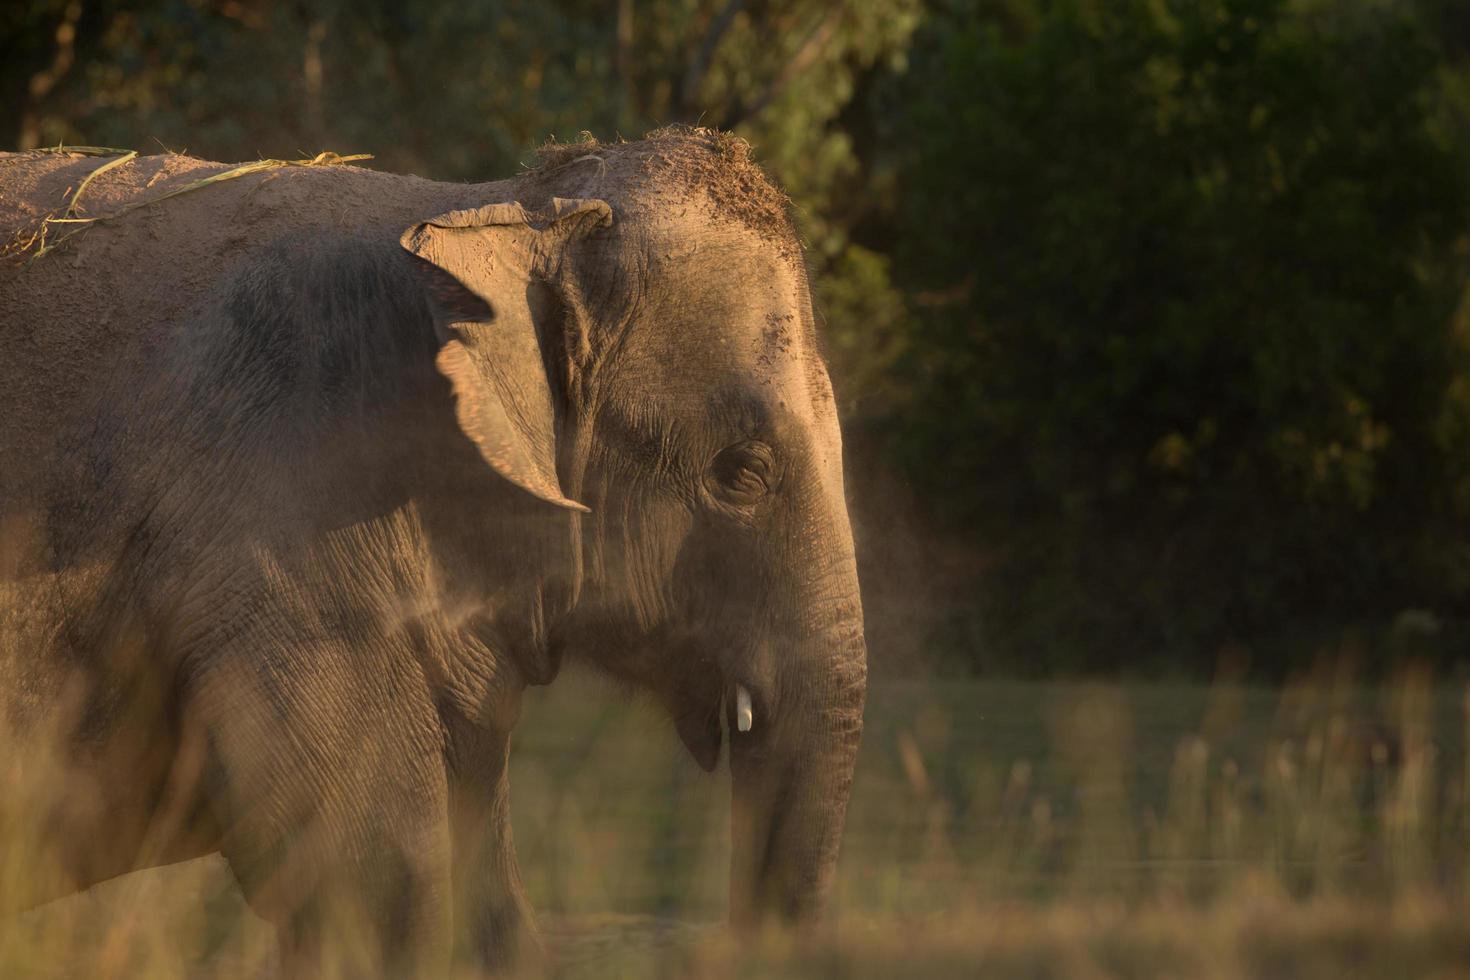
x=37, y=241
x=996, y=829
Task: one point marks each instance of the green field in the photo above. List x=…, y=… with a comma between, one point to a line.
x=1003, y=829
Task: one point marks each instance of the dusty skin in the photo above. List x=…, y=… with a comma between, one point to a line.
x=307, y=474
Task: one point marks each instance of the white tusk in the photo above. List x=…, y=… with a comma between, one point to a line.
x=743, y=716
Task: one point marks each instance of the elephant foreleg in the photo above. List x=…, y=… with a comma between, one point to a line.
x=494, y=926
x=335, y=810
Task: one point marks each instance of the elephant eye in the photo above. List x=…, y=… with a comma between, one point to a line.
x=743, y=473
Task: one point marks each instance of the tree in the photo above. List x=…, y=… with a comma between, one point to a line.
x=1185, y=366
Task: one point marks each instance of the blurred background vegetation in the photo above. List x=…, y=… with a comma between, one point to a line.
x=1148, y=317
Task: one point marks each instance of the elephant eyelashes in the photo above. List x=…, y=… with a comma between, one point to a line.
x=743, y=473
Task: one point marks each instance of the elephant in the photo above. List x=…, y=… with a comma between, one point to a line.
x=308, y=472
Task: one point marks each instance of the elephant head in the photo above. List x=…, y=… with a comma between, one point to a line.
x=645, y=363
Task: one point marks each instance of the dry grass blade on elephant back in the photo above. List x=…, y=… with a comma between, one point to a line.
x=79, y=151
x=71, y=206
x=37, y=245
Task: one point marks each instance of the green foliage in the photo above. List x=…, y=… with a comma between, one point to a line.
x=1183, y=355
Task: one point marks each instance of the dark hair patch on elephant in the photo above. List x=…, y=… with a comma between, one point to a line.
x=346, y=325
x=707, y=161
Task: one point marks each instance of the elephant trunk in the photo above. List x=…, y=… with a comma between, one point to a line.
x=792, y=772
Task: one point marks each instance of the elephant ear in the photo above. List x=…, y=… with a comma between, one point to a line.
x=506, y=257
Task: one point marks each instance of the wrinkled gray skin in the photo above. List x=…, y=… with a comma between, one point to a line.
x=307, y=476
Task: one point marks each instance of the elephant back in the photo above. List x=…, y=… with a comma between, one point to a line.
x=106, y=258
